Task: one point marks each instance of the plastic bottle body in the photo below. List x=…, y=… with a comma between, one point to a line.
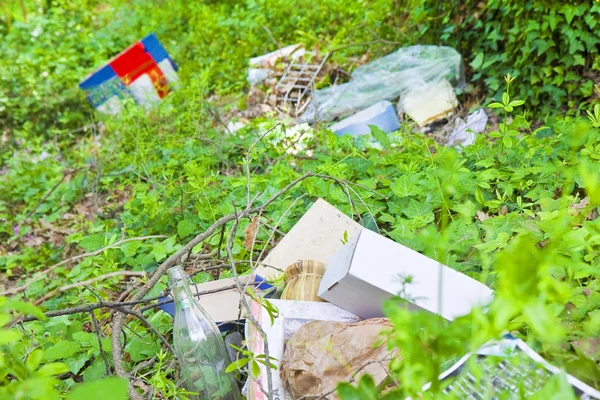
x=199, y=347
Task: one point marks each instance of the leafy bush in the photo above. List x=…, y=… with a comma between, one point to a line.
x=552, y=46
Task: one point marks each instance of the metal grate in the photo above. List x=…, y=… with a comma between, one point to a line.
x=498, y=381
x=294, y=87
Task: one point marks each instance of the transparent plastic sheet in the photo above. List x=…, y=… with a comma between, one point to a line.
x=406, y=70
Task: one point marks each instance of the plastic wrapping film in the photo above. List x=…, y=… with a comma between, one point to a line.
x=407, y=70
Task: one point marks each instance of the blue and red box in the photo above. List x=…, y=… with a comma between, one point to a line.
x=144, y=72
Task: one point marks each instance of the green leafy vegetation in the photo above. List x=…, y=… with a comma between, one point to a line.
x=550, y=46
x=517, y=210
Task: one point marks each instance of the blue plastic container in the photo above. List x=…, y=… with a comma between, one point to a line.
x=382, y=115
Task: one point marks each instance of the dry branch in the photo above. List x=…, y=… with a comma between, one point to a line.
x=38, y=275
x=115, y=305
x=61, y=289
x=99, y=337
x=119, y=320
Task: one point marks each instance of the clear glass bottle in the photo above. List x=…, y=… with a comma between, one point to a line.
x=198, y=345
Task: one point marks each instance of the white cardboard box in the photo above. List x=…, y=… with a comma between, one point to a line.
x=371, y=268
x=220, y=298
x=316, y=236
x=292, y=316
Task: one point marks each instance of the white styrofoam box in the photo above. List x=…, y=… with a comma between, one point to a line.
x=143, y=91
x=169, y=72
x=111, y=106
x=371, y=268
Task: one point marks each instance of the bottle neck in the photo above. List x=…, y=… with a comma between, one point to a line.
x=182, y=295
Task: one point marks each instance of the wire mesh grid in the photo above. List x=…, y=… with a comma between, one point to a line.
x=501, y=380
x=294, y=88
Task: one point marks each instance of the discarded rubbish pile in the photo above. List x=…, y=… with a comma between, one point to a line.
x=422, y=78
x=328, y=325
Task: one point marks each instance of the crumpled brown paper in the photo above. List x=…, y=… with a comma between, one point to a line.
x=323, y=353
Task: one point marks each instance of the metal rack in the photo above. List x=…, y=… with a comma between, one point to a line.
x=294, y=88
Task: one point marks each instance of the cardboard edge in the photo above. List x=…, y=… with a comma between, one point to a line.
x=356, y=240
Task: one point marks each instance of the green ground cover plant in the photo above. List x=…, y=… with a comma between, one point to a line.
x=517, y=210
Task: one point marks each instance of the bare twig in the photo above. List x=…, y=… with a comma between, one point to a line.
x=250, y=151
x=143, y=365
x=117, y=304
x=345, y=182
x=197, y=257
x=271, y=36
x=38, y=275
x=99, y=337
x=139, y=316
x=246, y=306
x=87, y=282
x=287, y=210
x=49, y=192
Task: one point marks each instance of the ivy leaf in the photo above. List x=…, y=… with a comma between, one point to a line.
x=185, y=228
x=575, y=46
x=404, y=186
x=542, y=45
x=569, y=12
x=578, y=59
x=52, y=369
x=380, y=136
x=553, y=19
x=61, y=350
x=92, y=242
x=590, y=20
x=113, y=388
x=477, y=61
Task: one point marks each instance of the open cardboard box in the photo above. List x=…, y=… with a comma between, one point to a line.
x=316, y=236
x=370, y=269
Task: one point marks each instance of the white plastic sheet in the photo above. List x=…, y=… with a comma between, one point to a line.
x=466, y=132
x=406, y=70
